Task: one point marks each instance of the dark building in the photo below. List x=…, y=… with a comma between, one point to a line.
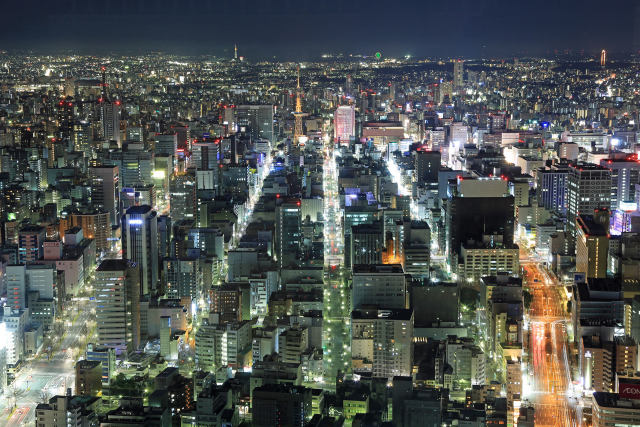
x=281, y=405
x=427, y=165
x=478, y=219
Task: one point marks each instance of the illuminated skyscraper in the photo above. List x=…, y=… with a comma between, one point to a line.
x=603, y=58
x=625, y=173
x=109, y=114
x=288, y=232
x=105, y=190
x=140, y=244
x=588, y=188
x=458, y=74
x=344, y=123
x=182, y=195
x=117, y=290
x=257, y=120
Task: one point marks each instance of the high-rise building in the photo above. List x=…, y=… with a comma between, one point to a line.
x=140, y=244
x=105, y=190
x=288, y=232
x=182, y=277
x=107, y=358
x=95, y=224
x=166, y=144
x=383, y=338
x=280, y=405
x=367, y=243
x=30, y=243
x=382, y=285
x=592, y=244
x=135, y=164
x=16, y=283
x=480, y=220
x=426, y=165
x=88, y=378
x=458, y=74
x=588, y=188
x=110, y=112
x=117, y=290
x=257, y=120
x=344, y=123
x=65, y=119
x=552, y=187
x=625, y=174
x=182, y=196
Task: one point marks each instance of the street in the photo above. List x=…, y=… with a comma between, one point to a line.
x=550, y=390
x=337, y=307
x=41, y=377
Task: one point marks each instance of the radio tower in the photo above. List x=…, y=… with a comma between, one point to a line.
x=298, y=114
x=603, y=58
x=235, y=51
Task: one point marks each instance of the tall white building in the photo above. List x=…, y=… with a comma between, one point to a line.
x=117, y=290
x=381, y=342
x=12, y=327
x=344, y=123
x=223, y=345
x=625, y=174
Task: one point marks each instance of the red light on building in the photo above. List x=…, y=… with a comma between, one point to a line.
x=100, y=100
x=629, y=390
x=298, y=203
x=277, y=196
x=118, y=102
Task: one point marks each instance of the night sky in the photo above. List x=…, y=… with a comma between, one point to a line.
x=298, y=29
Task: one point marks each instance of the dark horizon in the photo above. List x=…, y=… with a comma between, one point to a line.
x=307, y=29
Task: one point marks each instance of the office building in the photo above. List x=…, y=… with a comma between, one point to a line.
x=64, y=411
x=382, y=342
x=426, y=166
x=140, y=244
x=110, y=112
x=182, y=277
x=551, y=186
x=135, y=164
x=588, y=188
x=592, y=244
x=257, y=120
x=107, y=358
x=88, y=378
x=367, y=244
x=344, y=123
x=381, y=285
x=483, y=221
x=458, y=74
x=625, y=174
x=117, y=290
x=612, y=409
x=105, y=190
x=288, y=237
x=280, y=404
x=182, y=196
x=30, y=243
